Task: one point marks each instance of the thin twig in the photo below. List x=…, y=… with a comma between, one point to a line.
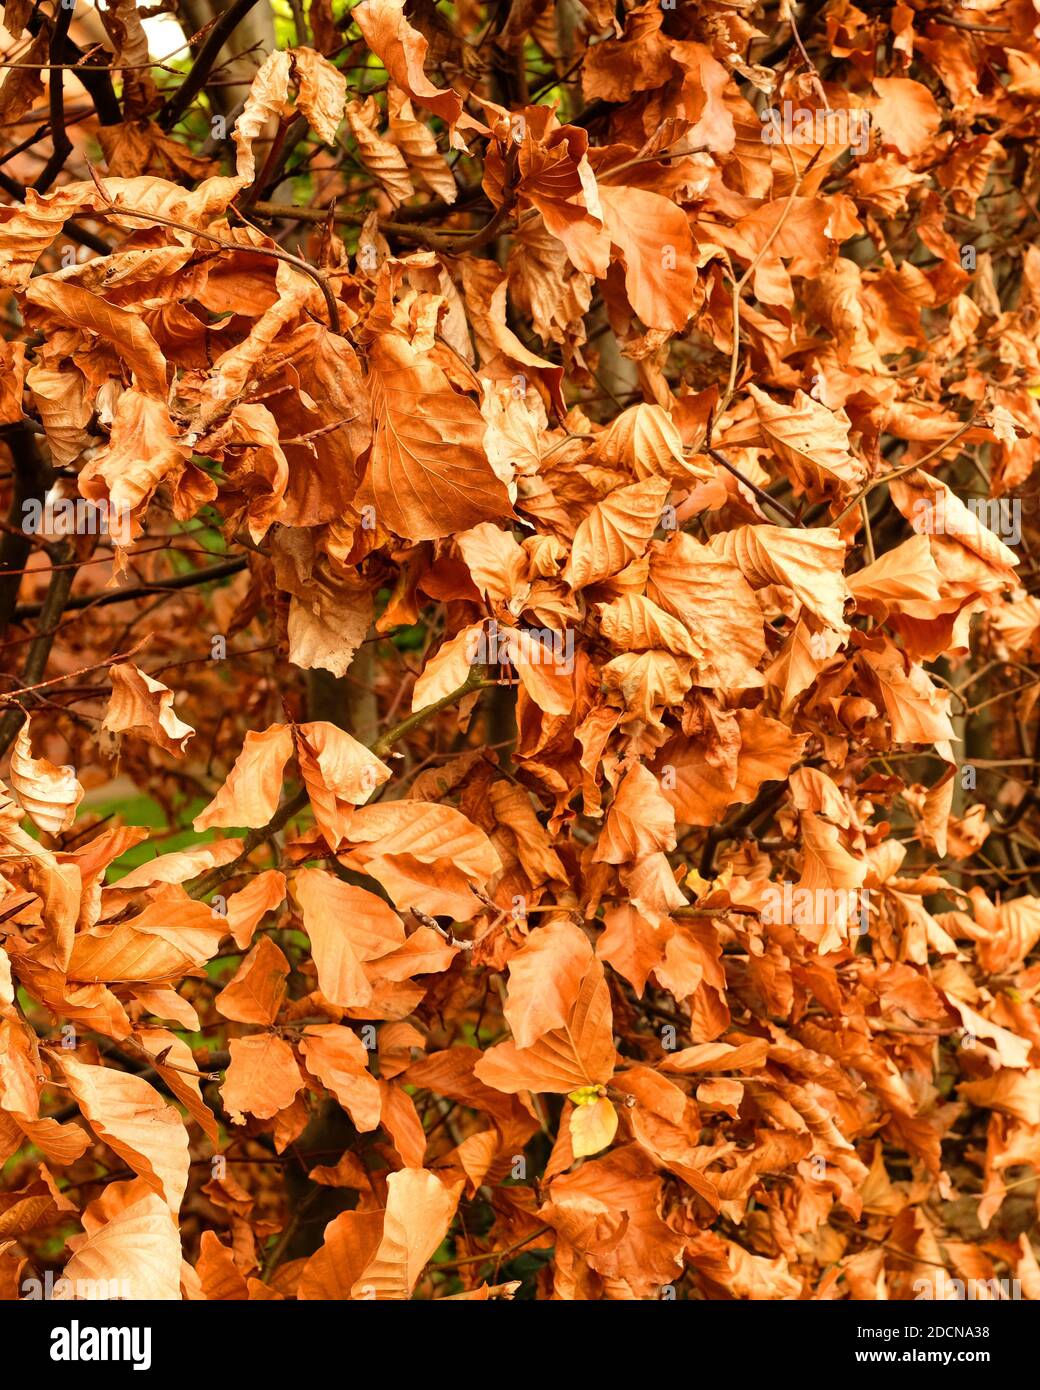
x=182, y=581
x=120, y=210
x=889, y=477
x=759, y=492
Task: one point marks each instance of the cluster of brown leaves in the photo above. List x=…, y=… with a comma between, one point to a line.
x=565, y=485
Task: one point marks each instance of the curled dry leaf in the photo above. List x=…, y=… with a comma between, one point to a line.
x=402, y=51
x=49, y=795
x=616, y=531
x=143, y=706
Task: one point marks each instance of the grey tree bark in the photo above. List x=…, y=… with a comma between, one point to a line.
x=250, y=43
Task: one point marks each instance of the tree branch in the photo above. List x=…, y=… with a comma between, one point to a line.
x=96, y=80
x=36, y=662
x=182, y=581
x=61, y=145
x=16, y=544
x=204, y=63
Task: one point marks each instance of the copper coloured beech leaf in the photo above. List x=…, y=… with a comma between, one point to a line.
x=917, y=708
x=635, y=623
x=906, y=114
x=338, y=772
x=403, y=51
x=710, y=596
x=426, y=832
x=175, y=1064
x=220, y=1277
x=337, y=1057
x=640, y=820
x=542, y=664
x=349, y=1243
x=123, y=331
x=144, y=451
x=962, y=544
x=610, y=1207
x=593, y=1123
x=647, y=440
x=419, y=1209
x=428, y=475
x=266, y=98
x=418, y=144
x=544, y=977
x=647, y=683
x=580, y=1052
x=616, y=531
x=329, y=616
x=247, y=907
x=262, y=1078
x=811, y=442
x=149, y=948
x=252, y=789
x=322, y=91
x=830, y=878
x=498, y=566
x=133, y=1119
x=255, y=992
x=137, y=1252
x=27, y=230
x=698, y=789
x=906, y=572
x=557, y=180
x=143, y=706
x=49, y=794
x=656, y=248
x=808, y=562
x=449, y=667
x=347, y=926
x=180, y=865
x=383, y=160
